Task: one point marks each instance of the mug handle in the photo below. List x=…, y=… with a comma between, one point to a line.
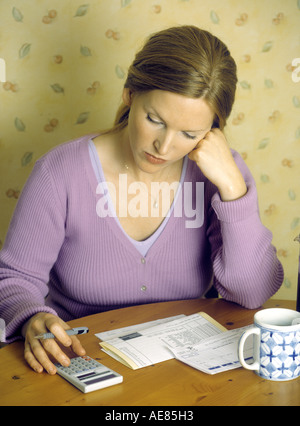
x=245, y=335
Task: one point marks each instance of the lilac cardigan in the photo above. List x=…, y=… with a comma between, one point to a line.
x=61, y=257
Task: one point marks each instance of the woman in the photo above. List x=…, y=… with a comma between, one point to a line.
x=148, y=211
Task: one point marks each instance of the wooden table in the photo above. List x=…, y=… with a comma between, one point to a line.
x=169, y=383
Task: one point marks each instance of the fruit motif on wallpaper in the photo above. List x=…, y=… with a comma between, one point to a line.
x=156, y=8
x=274, y=116
x=47, y=19
x=13, y=193
x=246, y=58
x=287, y=162
x=242, y=20
x=10, y=86
x=270, y=210
x=49, y=127
x=25, y=161
x=282, y=253
x=238, y=119
x=278, y=19
x=113, y=34
x=93, y=88
x=58, y=59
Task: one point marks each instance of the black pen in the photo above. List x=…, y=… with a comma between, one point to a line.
x=72, y=332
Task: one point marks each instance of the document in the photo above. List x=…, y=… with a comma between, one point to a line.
x=120, y=332
x=216, y=354
x=147, y=346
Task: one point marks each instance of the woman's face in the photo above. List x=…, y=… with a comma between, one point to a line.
x=163, y=127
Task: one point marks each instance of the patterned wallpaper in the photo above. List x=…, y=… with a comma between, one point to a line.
x=66, y=62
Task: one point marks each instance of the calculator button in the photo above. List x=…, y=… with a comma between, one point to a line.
x=86, y=358
x=88, y=375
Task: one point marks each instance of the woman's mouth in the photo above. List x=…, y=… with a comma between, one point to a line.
x=154, y=160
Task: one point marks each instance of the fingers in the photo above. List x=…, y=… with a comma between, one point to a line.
x=37, y=352
x=58, y=329
x=61, y=335
x=36, y=355
x=77, y=347
x=31, y=359
x=214, y=158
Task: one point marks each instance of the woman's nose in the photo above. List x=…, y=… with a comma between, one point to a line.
x=163, y=143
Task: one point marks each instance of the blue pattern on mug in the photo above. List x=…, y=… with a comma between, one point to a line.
x=280, y=355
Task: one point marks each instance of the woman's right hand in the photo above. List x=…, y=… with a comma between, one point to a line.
x=37, y=351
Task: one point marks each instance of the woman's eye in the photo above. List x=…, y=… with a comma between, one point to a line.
x=187, y=135
x=157, y=122
x=152, y=120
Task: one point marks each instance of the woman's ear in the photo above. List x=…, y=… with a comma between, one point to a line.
x=127, y=96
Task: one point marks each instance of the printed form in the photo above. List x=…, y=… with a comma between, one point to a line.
x=196, y=340
x=216, y=354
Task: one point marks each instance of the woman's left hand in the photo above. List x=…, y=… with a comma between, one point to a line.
x=213, y=156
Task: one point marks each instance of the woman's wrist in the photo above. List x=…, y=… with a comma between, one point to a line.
x=233, y=190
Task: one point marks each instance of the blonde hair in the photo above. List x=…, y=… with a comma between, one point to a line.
x=188, y=61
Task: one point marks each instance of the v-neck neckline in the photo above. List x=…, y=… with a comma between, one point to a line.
x=154, y=240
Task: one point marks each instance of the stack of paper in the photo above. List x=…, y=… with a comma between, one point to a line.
x=197, y=340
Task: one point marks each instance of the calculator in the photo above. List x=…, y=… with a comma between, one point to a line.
x=88, y=375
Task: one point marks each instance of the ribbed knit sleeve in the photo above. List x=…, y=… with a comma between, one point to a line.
x=246, y=268
x=31, y=247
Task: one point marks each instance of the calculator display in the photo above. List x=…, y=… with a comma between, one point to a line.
x=88, y=375
x=95, y=377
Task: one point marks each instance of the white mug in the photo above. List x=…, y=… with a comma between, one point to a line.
x=276, y=346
